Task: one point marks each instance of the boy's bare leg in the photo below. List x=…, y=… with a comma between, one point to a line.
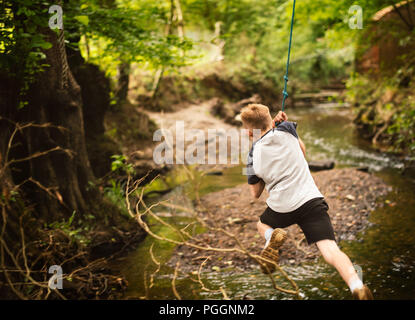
x=338, y=259
x=262, y=228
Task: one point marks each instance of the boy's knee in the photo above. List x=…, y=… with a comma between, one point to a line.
x=262, y=227
x=259, y=225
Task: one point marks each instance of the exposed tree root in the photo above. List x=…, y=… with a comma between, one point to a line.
x=25, y=257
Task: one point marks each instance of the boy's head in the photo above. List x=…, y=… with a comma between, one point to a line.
x=256, y=116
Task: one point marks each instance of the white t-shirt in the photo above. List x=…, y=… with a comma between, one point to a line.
x=277, y=159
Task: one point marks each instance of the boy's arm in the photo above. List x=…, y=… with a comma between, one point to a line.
x=256, y=189
x=256, y=184
x=280, y=117
x=302, y=145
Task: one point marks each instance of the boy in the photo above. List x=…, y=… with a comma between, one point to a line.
x=277, y=162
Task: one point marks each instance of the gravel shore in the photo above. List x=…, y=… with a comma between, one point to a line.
x=350, y=194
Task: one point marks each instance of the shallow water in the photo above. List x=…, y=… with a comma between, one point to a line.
x=385, y=250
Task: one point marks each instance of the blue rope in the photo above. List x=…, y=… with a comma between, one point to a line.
x=285, y=93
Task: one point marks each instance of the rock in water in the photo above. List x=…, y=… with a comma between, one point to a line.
x=214, y=173
x=321, y=165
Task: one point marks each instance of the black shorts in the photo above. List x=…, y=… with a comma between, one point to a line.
x=311, y=217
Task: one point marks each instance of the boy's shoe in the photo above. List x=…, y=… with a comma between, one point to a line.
x=362, y=293
x=270, y=252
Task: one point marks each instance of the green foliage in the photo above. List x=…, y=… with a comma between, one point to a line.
x=125, y=31
x=21, y=43
x=255, y=33
x=115, y=193
x=256, y=36
x=383, y=102
x=359, y=90
x=8, y=197
x=63, y=224
x=403, y=127
x=113, y=31
x=120, y=164
x=77, y=234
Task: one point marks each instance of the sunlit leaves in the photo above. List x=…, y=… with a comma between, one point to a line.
x=127, y=31
x=83, y=19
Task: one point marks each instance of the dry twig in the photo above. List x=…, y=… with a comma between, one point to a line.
x=190, y=241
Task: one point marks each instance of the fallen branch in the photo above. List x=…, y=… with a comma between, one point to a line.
x=186, y=239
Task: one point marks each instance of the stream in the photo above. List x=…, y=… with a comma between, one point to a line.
x=385, y=250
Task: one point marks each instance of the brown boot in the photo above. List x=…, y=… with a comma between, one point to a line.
x=362, y=294
x=270, y=252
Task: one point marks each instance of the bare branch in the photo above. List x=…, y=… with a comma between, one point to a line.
x=173, y=282
x=193, y=242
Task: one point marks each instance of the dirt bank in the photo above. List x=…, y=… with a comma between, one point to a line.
x=350, y=194
x=194, y=117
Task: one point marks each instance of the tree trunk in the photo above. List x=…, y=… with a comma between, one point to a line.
x=54, y=98
x=61, y=105
x=179, y=19
x=123, y=81
x=95, y=104
x=174, y=5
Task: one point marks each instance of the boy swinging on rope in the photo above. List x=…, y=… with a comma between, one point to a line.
x=277, y=162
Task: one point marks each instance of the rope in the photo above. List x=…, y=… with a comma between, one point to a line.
x=285, y=93
x=62, y=56
x=63, y=60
